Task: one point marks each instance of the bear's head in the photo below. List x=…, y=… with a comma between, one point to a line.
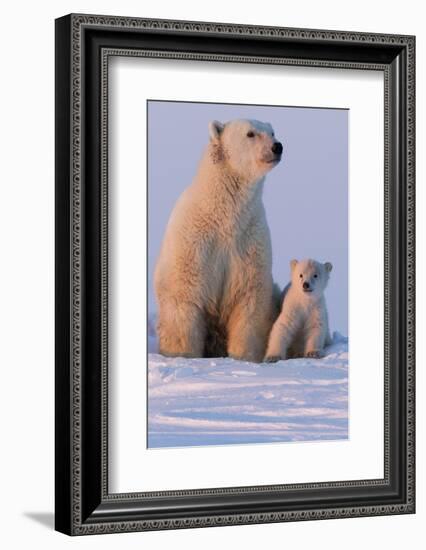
x=309, y=276
x=249, y=147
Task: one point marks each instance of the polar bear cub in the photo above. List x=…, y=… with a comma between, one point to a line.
x=301, y=329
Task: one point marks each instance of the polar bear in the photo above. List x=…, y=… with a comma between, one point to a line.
x=301, y=329
x=213, y=278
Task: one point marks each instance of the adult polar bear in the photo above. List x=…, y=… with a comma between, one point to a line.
x=213, y=278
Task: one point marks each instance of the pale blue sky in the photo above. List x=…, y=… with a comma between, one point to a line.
x=305, y=197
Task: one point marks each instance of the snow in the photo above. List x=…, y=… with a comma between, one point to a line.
x=196, y=402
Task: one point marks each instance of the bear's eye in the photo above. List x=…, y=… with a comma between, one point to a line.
x=301, y=275
x=315, y=276
x=250, y=134
x=273, y=134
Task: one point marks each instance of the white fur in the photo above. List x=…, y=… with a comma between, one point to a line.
x=301, y=329
x=213, y=278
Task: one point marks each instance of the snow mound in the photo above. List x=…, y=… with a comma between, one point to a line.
x=195, y=402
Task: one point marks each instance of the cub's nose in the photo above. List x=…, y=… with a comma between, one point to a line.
x=305, y=285
x=277, y=148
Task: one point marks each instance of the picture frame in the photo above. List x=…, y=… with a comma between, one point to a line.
x=83, y=503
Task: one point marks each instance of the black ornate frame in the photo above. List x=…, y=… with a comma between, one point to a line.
x=83, y=45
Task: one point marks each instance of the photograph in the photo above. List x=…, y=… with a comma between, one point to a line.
x=248, y=247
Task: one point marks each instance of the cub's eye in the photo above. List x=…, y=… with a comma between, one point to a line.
x=250, y=134
x=315, y=276
x=301, y=275
x=273, y=134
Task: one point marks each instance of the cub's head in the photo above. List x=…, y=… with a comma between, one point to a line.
x=309, y=276
x=248, y=146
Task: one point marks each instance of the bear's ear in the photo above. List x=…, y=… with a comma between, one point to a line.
x=293, y=264
x=215, y=129
x=328, y=266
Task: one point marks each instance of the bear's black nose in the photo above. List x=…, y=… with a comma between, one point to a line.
x=305, y=285
x=277, y=148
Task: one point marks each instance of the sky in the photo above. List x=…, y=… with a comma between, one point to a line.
x=305, y=196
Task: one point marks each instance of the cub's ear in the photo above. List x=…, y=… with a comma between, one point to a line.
x=215, y=129
x=328, y=266
x=293, y=264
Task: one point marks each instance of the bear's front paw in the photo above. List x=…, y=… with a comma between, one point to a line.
x=272, y=359
x=313, y=354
